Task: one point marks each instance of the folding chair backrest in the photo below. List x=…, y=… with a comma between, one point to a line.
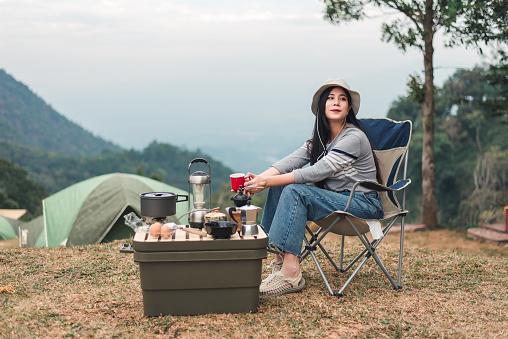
x=390, y=140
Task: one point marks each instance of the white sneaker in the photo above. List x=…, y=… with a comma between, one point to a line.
x=277, y=284
x=276, y=266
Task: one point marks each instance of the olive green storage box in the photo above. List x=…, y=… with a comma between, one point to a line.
x=199, y=275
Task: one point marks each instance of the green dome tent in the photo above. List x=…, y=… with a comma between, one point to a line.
x=92, y=211
x=9, y=228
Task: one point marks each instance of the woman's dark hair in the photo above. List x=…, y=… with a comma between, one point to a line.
x=322, y=133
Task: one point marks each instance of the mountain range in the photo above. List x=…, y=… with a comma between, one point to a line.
x=57, y=152
x=25, y=119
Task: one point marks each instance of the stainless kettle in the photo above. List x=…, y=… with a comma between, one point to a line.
x=248, y=213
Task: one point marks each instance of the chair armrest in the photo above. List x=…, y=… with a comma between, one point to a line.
x=372, y=185
x=375, y=186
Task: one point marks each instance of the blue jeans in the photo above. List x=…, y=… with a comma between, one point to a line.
x=288, y=208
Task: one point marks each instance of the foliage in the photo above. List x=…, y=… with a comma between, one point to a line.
x=403, y=108
x=414, y=25
x=490, y=192
x=497, y=79
x=163, y=162
x=416, y=88
x=25, y=119
x=17, y=191
x=464, y=22
x=471, y=151
x=482, y=21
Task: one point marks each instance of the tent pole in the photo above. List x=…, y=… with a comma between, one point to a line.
x=44, y=218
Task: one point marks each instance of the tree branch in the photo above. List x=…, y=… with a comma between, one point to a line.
x=407, y=10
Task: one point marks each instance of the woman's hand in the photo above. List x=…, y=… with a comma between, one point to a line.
x=269, y=178
x=255, y=184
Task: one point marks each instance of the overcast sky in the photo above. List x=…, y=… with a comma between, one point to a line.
x=233, y=78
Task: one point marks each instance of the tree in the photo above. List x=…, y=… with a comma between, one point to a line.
x=470, y=185
x=17, y=190
x=463, y=22
x=497, y=77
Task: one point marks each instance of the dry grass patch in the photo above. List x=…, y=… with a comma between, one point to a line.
x=94, y=291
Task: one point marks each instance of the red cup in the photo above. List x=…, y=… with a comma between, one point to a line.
x=237, y=180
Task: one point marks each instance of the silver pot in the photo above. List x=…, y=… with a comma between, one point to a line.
x=249, y=230
x=197, y=218
x=160, y=204
x=248, y=214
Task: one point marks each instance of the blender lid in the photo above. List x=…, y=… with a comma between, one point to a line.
x=199, y=177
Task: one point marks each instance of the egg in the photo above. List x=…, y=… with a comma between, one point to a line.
x=166, y=231
x=155, y=229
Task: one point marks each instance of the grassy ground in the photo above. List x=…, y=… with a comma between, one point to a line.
x=452, y=287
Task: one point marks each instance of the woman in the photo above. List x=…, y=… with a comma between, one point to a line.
x=339, y=153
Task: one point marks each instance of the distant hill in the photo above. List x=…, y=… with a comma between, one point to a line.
x=57, y=153
x=163, y=162
x=25, y=119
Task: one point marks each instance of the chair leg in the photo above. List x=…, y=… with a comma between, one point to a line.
x=341, y=252
x=352, y=275
x=317, y=243
x=311, y=252
x=314, y=236
x=314, y=242
x=383, y=268
x=313, y=239
x=401, y=246
x=372, y=252
x=352, y=262
x=325, y=252
x=401, y=252
x=358, y=257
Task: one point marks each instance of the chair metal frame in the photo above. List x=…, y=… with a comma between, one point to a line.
x=346, y=224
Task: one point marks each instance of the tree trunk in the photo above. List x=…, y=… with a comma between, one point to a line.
x=429, y=212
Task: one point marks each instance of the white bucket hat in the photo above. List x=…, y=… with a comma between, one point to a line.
x=355, y=96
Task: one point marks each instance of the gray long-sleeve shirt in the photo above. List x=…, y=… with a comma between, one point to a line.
x=349, y=158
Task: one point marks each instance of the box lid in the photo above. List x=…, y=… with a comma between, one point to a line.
x=183, y=241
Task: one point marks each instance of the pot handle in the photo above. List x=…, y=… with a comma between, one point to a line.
x=230, y=211
x=183, y=196
x=198, y=160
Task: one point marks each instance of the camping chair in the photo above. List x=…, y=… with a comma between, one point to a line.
x=390, y=141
